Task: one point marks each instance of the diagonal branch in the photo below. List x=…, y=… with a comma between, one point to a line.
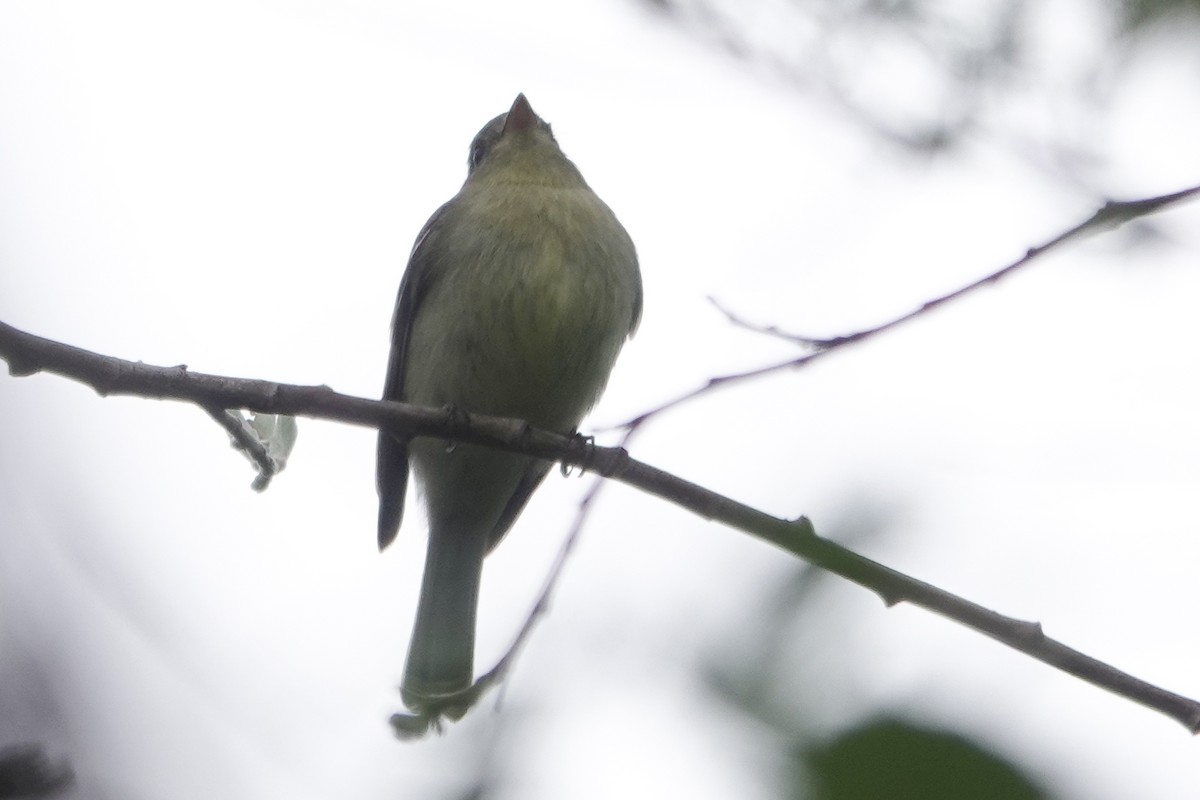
x=1110, y=216
x=27, y=354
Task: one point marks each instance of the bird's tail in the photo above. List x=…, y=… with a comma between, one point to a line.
x=442, y=651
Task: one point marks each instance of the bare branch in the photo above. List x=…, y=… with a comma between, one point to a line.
x=27, y=354
x=1110, y=216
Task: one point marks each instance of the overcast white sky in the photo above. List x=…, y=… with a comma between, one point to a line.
x=236, y=185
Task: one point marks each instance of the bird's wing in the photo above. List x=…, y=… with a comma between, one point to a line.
x=391, y=462
x=532, y=478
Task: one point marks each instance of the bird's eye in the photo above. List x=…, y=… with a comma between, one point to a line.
x=479, y=149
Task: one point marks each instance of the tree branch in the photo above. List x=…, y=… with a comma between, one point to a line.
x=1110, y=216
x=27, y=354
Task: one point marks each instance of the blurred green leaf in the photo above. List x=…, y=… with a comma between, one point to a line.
x=890, y=759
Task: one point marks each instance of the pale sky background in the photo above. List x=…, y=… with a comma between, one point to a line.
x=236, y=185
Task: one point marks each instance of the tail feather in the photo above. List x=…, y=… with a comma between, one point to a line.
x=441, y=654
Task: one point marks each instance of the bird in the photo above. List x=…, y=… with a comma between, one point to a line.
x=519, y=293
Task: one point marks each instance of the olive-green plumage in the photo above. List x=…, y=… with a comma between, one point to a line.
x=519, y=293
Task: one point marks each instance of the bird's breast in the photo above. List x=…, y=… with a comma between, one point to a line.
x=540, y=296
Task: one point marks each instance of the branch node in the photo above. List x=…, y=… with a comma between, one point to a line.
x=1030, y=633
x=22, y=368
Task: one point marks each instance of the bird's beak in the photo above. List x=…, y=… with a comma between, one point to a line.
x=520, y=117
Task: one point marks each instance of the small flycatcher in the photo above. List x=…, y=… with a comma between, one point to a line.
x=519, y=293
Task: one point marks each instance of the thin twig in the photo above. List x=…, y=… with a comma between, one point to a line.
x=542, y=605
x=1111, y=215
